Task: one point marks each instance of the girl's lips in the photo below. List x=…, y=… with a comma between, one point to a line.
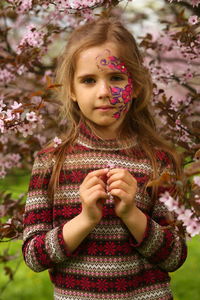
x=105, y=107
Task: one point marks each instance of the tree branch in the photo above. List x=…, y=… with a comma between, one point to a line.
x=187, y=5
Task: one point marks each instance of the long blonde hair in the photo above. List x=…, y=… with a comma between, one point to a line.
x=138, y=119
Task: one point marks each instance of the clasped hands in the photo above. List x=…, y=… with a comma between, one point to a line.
x=95, y=188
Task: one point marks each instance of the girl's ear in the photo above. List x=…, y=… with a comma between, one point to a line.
x=73, y=97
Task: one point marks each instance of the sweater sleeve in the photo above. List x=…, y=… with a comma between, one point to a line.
x=43, y=244
x=162, y=244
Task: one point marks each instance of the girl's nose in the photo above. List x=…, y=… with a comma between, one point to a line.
x=104, y=90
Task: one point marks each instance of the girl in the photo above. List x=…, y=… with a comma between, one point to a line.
x=90, y=217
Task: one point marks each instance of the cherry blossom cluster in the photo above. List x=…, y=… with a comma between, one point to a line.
x=57, y=141
x=9, y=72
x=32, y=38
x=21, y=6
x=16, y=118
x=185, y=215
x=173, y=58
x=78, y=4
x=192, y=2
x=8, y=162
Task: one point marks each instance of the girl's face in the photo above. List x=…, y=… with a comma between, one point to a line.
x=103, y=88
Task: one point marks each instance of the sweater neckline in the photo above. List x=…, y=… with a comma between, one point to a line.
x=90, y=140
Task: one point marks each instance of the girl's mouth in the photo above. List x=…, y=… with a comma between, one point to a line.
x=105, y=108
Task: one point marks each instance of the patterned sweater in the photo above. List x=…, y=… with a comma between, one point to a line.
x=109, y=263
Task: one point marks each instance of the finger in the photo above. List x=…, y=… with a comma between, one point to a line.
x=92, y=182
x=97, y=195
x=118, y=184
x=98, y=173
x=86, y=193
x=118, y=193
x=120, y=174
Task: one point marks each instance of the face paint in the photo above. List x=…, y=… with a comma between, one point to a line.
x=119, y=94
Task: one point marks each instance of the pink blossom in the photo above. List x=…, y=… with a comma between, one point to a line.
x=193, y=227
x=79, y=4
x=7, y=162
x=22, y=6
x=26, y=130
x=21, y=70
x=193, y=20
x=2, y=173
x=42, y=139
x=2, y=128
x=195, y=2
x=36, y=99
x=31, y=117
x=3, y=138
x=197, y=199
x=196, y=180
x=57, y=141
x=16, y=105
x=15, y=157
x=185, y=216
x=6, y=75
x=111, y=165
x=191, y=223
x=2, y=105
x=188, y=75
x=169, y=201
x=33, y=38
x=9, y=115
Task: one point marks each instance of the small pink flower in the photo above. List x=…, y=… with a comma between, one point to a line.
x=111, y=166
x=2, y=105
x=31, y=117
x=26, y=130
x=193, y=20
x=9, y=115
x=2, y=126
x=186, y=216
x=57, y=141
x=169, y=201
x=193, y=228
x=195, y=2
x=196, y=180
x=197, y=199
x=16, y=105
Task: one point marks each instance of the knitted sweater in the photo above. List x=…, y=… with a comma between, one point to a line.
x=109, y=263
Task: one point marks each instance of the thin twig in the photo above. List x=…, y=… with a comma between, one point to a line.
x=7, y=283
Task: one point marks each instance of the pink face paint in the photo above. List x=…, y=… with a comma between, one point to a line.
x=122, y=94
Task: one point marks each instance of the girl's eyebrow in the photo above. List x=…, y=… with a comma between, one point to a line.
x=109, y=73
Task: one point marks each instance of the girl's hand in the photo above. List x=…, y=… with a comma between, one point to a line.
x=122, y=186
x=93, y=195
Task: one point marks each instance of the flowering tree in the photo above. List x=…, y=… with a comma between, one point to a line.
x=33, y=32
x=173, y=58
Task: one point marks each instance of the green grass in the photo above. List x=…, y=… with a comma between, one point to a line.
x=28, y=285
x=15, y=183
x=186, y=281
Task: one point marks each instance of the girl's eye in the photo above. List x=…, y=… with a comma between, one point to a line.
x=117, y=78
x=88, y=80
